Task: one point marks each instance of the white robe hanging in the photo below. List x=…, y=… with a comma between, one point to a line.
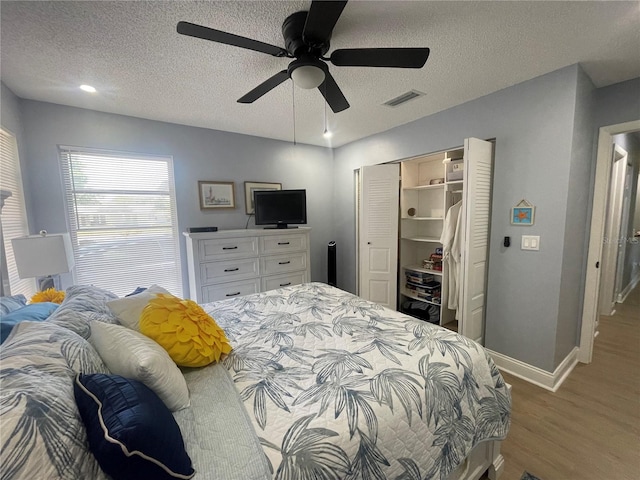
x=451, y=240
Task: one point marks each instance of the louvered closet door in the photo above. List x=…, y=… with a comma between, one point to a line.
x=378, y=233
x=478, y=156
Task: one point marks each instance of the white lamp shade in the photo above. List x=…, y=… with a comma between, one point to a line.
x=38, y=256
x=307, y=76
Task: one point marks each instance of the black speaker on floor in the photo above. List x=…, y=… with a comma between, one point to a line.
x=331, y=264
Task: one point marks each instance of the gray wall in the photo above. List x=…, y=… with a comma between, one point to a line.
x=617, y=103
x=533, y=126
x=576, y=241
x=198, y=154
x=10, y=114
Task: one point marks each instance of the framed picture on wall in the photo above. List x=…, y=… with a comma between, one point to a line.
x=214, y=195
x=250, y=187
x=523, y=213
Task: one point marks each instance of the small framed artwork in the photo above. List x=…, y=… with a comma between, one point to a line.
x=250, y=187
x=523, y=213
x=214, y=195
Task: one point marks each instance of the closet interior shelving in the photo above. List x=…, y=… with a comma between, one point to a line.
x=423, y=206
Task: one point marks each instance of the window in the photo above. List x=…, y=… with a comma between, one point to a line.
x=14, y=215
x=122, y=219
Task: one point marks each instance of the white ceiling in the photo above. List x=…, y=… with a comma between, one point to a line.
x=131, y=53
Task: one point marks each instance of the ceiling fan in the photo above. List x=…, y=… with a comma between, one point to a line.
x=306, y=36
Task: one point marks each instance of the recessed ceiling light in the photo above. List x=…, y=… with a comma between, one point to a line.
x=88, y=88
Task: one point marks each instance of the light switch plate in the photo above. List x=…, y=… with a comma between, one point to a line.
x=530, y=242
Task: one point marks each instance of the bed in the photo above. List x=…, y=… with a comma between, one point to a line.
x=324, y=384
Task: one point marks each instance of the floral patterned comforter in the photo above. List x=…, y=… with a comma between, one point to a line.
x=341, y=388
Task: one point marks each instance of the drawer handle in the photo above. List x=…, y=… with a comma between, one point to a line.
x=229, y=248
x=231, y=269
x=285, y=284
x=284, y=263
x=283, y=243
x=232, y=294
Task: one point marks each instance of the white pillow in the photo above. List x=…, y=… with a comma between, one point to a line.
x=129, y=309
x=132, y=355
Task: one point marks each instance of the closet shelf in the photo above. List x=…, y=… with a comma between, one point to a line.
x=425, y=187
x=455, y=182
x=422, y=239
x=422, y=218
x=418, y=268
x=406, y=293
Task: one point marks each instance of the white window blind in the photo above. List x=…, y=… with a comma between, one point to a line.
x=122, y=219
x=14, y=214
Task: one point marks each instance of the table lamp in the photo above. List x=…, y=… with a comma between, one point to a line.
x=43, y=256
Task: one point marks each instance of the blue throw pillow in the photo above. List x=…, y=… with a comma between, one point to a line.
x=131, y=432
x=35, y=312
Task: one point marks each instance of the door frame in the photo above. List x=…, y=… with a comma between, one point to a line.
x=624, y=227
x=598, y=214
x=613, y=224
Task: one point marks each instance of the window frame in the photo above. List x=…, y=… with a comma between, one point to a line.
x=71, y=208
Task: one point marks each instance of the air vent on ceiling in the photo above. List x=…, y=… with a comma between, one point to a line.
x=404, y=98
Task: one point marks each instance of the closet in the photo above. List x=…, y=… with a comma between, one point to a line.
x=424, y=274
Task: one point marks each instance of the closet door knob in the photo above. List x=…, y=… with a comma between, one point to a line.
x=368, y=243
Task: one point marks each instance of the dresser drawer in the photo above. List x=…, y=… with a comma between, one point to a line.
x=283, y=263
x=279, y=281
x=283, y=243
x=228, y=270
x=220, y=248
x=224, y=291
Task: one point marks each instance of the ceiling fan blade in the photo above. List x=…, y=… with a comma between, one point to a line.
x=380, y=57
x=206, y=33
x=321, y=19
x=264, y=87
x=332, y=94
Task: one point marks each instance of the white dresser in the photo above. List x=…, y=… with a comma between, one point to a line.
x=230, y=263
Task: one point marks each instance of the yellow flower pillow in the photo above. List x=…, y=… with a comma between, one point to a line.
x=48, y=295
x=190, y=336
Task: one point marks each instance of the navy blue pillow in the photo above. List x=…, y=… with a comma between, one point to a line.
x=144, y=439
x=136, y=291
x=35, y=312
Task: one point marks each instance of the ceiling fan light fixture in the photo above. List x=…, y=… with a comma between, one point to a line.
x=308, y=76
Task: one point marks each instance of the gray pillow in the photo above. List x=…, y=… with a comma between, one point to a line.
x=9, y=304
x=82, y=305
x=44, y=436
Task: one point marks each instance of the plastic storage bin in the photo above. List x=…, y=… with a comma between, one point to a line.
x=455, y=171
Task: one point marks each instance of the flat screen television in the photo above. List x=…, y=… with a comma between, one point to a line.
x=280, y=208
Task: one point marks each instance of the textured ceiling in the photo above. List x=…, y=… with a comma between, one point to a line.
x=131, y=53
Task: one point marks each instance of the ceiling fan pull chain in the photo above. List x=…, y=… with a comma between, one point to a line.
x=293, y=96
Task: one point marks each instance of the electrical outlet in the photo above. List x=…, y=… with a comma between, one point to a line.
x=530, y=242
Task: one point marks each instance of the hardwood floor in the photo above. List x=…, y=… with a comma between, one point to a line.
x=590, y=428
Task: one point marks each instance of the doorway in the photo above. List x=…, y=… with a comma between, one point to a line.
x=594, y=274
x=611, y=262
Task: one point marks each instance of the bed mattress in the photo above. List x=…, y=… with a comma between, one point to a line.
x=324, y=384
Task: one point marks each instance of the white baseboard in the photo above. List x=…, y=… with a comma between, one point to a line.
x=622, y=296
x=535, y=375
